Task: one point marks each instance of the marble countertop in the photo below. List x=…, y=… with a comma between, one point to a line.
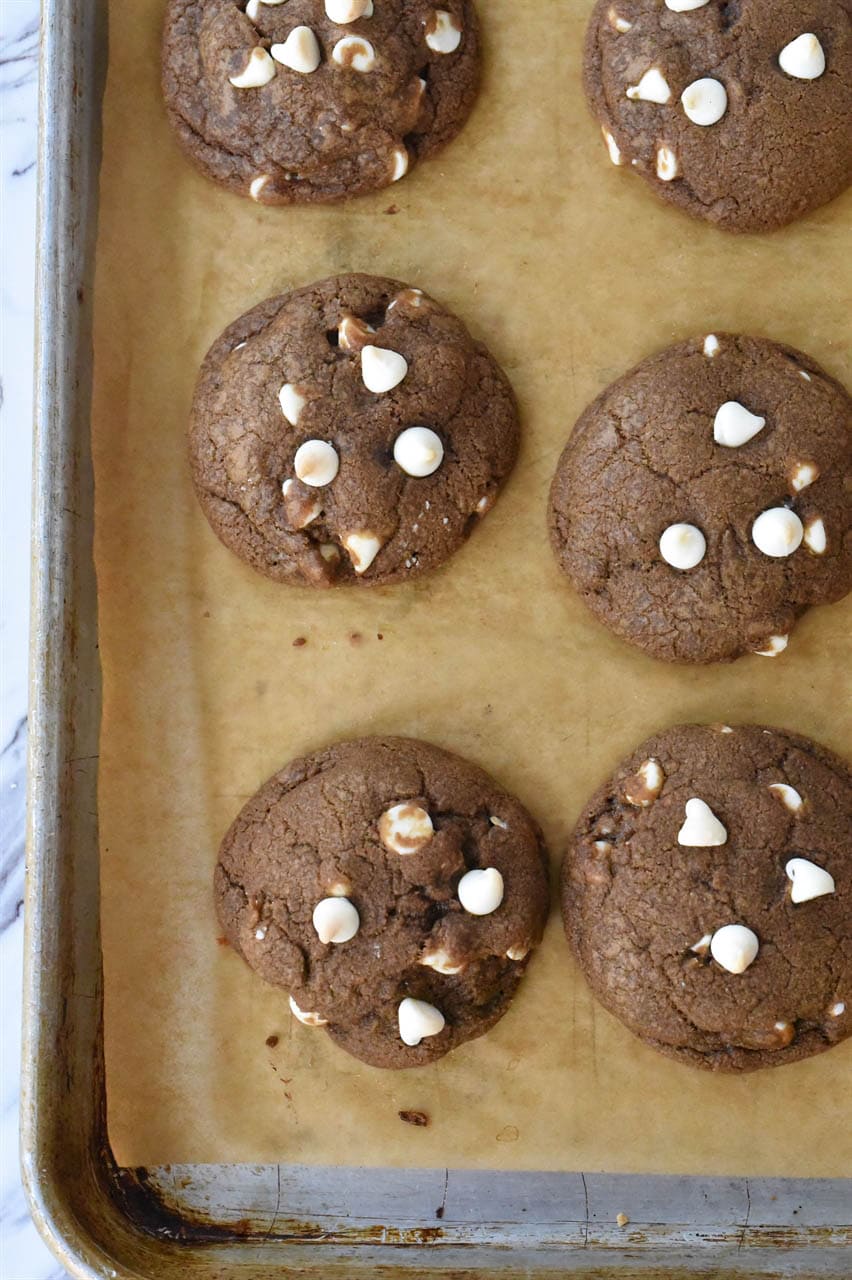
x=23, y=1256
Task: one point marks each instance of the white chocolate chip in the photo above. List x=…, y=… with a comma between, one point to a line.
x=257, y=184
x=381, y=369
x=498, y=822
x=260, y=932
x=803, y=475
x=409, y=297
x=417, y=1020
x=804, y=374
x=443, y=34
x=405, y=828
x=336, y=920
x=316, y=463
x=329, y=551
x=300, y=51
x=837, y=1009
x=300, y=513
x=651, y=88
x=668, y=167
x=702, y=946
x=814, y=538
x=734, y=425
x=777, y=532
x=725, y=728
x=517, y=953
x=258, y=71
x=339, y=888
x=400, y=163
x=788, y=796
x=354, y=52
x=603, y=846
x=342, y=12
x=774, y=646
x=308, y=1019
x=705, y=101
x=684, y=6
x=803, y=58
x=481, y=892
x=643, y=789
x=612, y=146
x=702, y=829
x=619, y=24
x=253, y=7
x=292, y=402
x=363, y=547
x=683, y=546
x=778, y=1036
x=711, y=345
x=734, y=947
x=441, y=962
x=418, y=451
x=353, y=332
x=807, y=880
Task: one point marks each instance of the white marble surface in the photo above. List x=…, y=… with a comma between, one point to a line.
x=22, y=1254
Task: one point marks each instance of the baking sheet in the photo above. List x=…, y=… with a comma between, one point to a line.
x=571, y=273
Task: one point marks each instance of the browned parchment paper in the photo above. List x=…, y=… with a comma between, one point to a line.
x=571, y=272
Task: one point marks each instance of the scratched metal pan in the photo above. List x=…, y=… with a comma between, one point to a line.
x=250, y=1221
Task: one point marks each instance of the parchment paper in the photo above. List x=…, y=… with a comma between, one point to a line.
x=571, y=272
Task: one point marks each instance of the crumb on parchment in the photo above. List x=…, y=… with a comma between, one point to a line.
x=418, y=1118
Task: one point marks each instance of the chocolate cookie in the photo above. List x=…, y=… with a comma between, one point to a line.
x=301, y=101
x=699, y=508
x=393, y=889
x=707, y=895
x=351, y=431
x=734, y=110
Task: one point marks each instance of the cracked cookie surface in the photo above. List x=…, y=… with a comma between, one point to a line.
x=306, y=101
x=643, y=908
x=762, y=135
x=441, y=875
x=674, y=453
x=316, y=478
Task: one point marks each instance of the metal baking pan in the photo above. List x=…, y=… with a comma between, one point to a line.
x=251, y=1221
